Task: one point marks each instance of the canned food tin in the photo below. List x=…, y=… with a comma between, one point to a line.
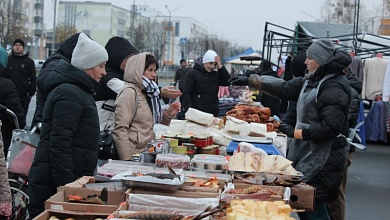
x=210, y=140
x=172, y=142
x=183, y=139
x=199, y=140
x=179, y=150
x=160, y=145
x=190, y=149
x=147, y=157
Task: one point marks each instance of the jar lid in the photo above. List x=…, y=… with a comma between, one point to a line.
x=184, y=136
x=201, y=137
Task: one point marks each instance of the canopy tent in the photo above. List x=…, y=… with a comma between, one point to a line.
x=246, y=52
x=248, y=57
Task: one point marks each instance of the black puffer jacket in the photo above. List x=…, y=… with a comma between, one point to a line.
x=103, y=92
x=21, y=71
x=332, y=105
x=9, y=98
x=354, y=107
x=356, y=90
x=201, y=89
x=63, y=53
x=68, y=148
x=267, y=100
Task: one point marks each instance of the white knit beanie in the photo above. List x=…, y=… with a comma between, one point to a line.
x=88, y=53
x=209, y=56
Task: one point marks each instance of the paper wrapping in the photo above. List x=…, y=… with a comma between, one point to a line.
x=254, y=129
x=234, y=124
x=177, y=126
x=196, y=128
x=199, y=117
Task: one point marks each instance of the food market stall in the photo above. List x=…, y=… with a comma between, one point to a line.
x=186, y=173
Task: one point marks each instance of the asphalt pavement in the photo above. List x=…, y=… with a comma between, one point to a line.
x=368, y=186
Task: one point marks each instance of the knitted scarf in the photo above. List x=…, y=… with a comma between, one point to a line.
x=153, y=92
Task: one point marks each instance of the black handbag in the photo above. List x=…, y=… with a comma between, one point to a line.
x=107, y=149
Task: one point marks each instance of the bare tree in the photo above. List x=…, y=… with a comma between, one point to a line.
x=12, y=22
x=63, y=32
x=137, y=36
x=338, y=11
x=156, y=38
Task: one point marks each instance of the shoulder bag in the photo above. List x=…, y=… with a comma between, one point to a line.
x=107, y=149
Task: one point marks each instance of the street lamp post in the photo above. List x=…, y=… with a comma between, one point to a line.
x=170, y=29
x=28, y=48
x=54, y=27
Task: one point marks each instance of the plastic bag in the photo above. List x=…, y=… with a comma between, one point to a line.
x=22, y=162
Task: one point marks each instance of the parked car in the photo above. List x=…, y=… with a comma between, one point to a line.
x=38, y=65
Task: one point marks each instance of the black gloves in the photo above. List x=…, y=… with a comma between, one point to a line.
x=239, y=80
x=287, y=129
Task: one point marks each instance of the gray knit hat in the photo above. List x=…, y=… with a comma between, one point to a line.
x=321, y=51
x=88, y=53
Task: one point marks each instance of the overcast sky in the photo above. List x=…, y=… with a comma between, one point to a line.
x=241, y=21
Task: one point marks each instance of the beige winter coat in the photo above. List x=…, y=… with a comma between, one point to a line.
x=5, y=193
x=135, y=139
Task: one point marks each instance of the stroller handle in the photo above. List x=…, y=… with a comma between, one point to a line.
x=8, y=111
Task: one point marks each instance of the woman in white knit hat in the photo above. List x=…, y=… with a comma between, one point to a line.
x=202, y=84
x=68, y=148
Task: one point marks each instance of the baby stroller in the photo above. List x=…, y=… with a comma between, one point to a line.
x=19, y=160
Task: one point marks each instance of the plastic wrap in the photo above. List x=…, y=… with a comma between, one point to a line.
x=173, y=160
x=182, y=206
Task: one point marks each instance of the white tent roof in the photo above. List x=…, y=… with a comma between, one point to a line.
x=246, y=62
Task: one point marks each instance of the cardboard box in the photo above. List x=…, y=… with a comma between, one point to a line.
x=58, y=201
x=69, y=214
x=80, y=182
x=303, y=197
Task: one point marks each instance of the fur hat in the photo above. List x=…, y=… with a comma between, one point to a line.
x=88, y=53
x=118, y=48
x=209, y=56
x=298, y=66
x=18, y=41
x=321, y=51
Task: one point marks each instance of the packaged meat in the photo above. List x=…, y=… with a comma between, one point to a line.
x=173, y=160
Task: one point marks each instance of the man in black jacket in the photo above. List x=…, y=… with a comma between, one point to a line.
x=21, y=71
x=202, y=84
